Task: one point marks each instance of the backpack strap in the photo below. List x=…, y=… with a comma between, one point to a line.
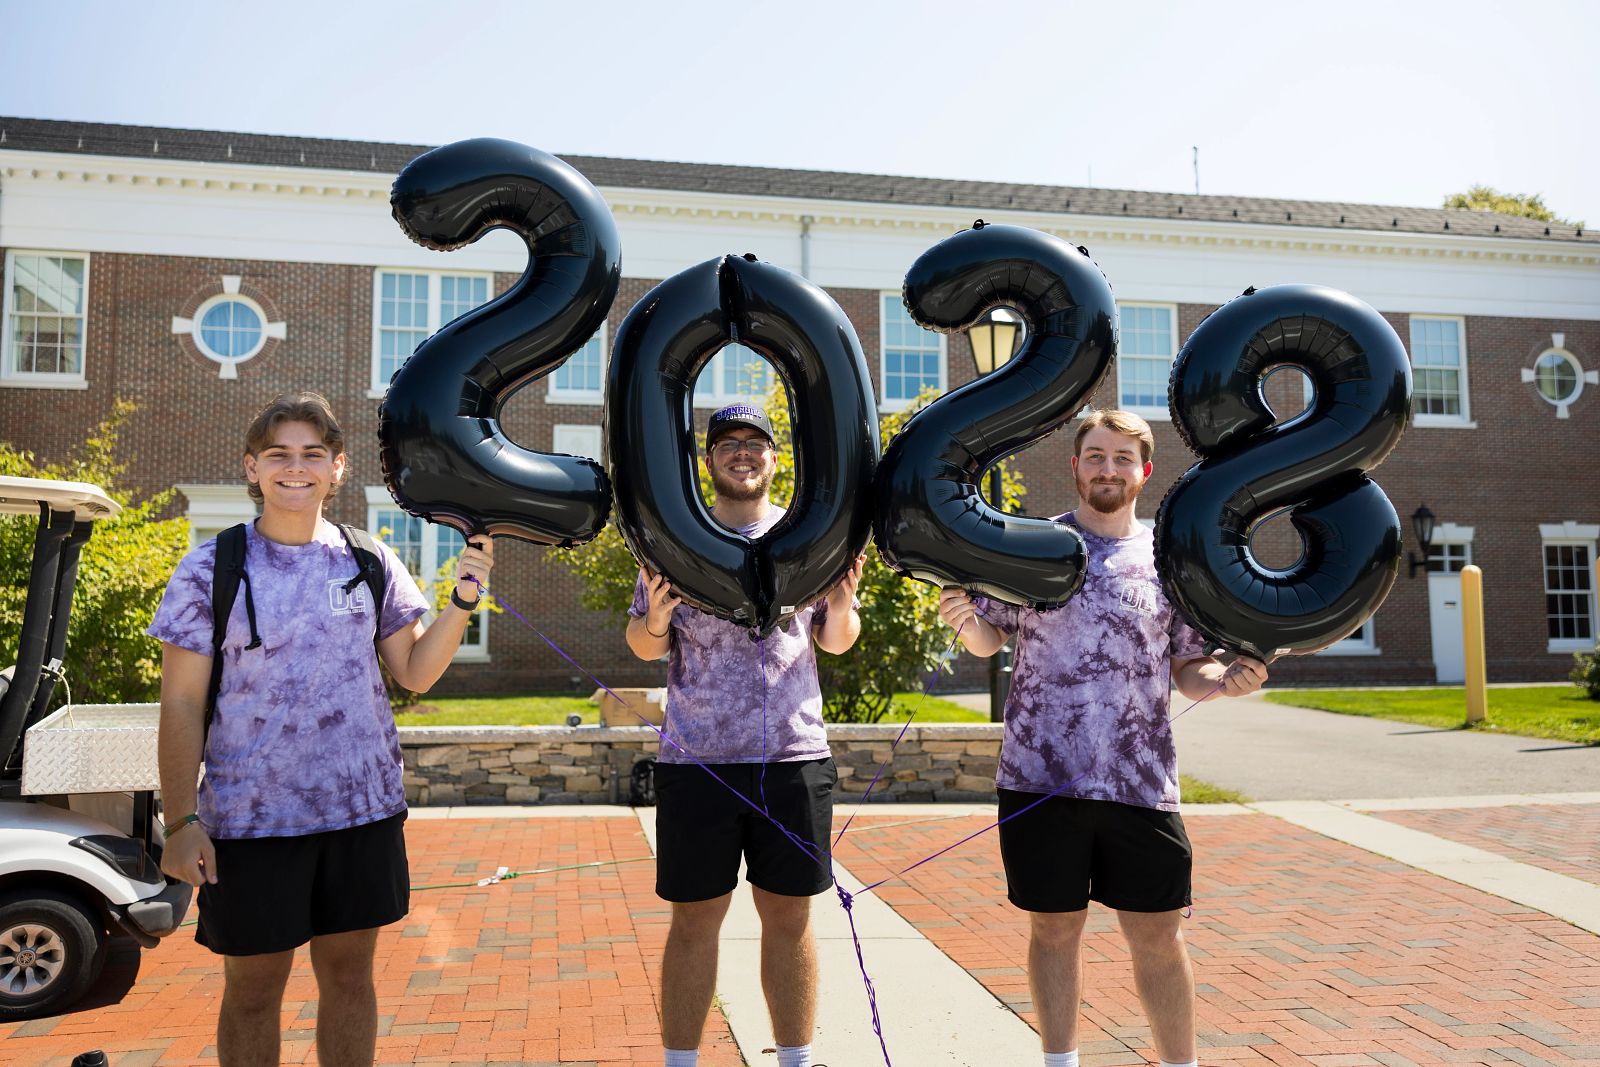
x=227, y=572
x=370, y=569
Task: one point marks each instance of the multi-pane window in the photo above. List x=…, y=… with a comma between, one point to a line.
x=581, y=379
x=735, y=373
x=1144, y=357
x=1438, y=368
x=46, y=298
x=230, y=329
x=408, y=306
x=913, y=358
x=576, y=441
x=1449, y=557
x=423, y=548
x=1569, y=594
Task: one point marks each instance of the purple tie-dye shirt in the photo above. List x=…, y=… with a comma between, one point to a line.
x=714, y=692
x=303, y=740
x=1091, y=685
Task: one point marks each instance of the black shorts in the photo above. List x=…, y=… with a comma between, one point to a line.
x=702, y=829
x=274, y=894
x=1069, y=851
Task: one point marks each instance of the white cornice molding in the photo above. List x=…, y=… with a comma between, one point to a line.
x=190, y=177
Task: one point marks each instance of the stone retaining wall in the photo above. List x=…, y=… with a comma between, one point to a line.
x=451, y=765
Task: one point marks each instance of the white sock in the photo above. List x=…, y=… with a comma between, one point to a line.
x=1185, y=1063
x=794, y=1056
x=682, y=1057
x=1061, y=1059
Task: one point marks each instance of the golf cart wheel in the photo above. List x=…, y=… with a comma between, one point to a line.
x=51, y=951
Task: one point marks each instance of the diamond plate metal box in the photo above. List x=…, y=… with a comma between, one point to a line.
x=92, y=748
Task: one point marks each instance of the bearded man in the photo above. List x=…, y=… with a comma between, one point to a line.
x=777, y=758
x=1086, y=720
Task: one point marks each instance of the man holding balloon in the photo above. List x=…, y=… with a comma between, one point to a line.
x=1088, y=767
x=751, y=712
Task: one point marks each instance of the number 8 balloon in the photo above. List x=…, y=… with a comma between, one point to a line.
x=1315, y=464
x=444, y=454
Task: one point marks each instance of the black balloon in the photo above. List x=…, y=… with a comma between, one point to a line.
x=661, y=347
x=931, y=521
x=444, y=454
x=1315, y=464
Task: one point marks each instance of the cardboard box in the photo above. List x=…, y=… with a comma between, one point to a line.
x=650, y=703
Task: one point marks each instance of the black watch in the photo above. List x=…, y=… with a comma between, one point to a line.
x=464, y=605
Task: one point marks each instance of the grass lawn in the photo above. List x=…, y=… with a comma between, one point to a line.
x=1195, y=791
x=1560, y=713
x=552, y=709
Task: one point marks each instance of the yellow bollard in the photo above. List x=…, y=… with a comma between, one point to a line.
x=1472, y=638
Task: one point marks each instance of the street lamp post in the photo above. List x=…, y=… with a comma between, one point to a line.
x=994, y=342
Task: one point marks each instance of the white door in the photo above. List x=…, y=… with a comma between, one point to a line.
x=1445, y=560
x=1444, y=616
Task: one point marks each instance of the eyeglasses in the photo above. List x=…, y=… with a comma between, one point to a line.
x=756, y=446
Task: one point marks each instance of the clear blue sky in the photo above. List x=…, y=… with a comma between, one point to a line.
x=1397, y=102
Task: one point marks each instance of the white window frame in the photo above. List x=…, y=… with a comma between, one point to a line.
x=35, y=379
x=1571, y=533
x=213, y=508
x=716, y=397
x=1463, y=421
x=899, y=403
x=376, y=388
x=1148, y=412
x=378, y=500
x=1531, y=375
x=1364, y=642
x=578, y=439
x=557, y=395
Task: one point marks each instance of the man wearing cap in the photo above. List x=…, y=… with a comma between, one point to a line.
x=763, y=738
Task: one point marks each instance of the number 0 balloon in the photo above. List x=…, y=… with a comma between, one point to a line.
x=663, y=344
x=444, y=454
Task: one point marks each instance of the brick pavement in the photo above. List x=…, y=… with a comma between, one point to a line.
x=557, y=968
x=1564, y=838
x=1307, y=951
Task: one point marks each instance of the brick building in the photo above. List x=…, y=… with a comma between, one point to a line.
x=200, y=273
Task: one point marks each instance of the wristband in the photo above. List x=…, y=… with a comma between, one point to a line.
x=181, y=823
x=464, y=605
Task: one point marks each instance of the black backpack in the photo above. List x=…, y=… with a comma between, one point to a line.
x=228, y=573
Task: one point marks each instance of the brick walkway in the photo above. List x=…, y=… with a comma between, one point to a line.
x=1307, y=951
x=552, y=969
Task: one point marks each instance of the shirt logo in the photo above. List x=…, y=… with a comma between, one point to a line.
x=1137, y=597
x=342, y=601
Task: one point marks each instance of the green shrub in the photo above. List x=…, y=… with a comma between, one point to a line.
x=122, y=572
x=1586, y=672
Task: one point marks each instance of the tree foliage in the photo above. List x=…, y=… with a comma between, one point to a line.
x=1522, y=205
x=902, y=637
x=122, y=572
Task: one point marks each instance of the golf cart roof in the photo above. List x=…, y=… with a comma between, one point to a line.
x=22, y=496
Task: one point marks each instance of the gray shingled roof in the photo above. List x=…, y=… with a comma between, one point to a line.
x=105, y=139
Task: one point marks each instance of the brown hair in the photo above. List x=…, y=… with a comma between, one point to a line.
x=307, y=407
x=1124, y=422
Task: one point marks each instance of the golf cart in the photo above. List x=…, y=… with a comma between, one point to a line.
x=79, y=851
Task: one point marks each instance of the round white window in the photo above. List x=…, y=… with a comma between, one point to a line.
x=1558, y=377
x=230, y=328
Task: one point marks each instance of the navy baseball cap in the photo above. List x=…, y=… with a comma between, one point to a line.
x=725, y=419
